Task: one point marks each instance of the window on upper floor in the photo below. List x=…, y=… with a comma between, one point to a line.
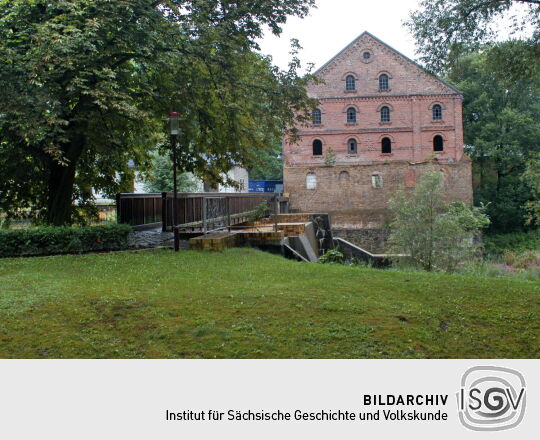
x=316, y=116
x=352, y=146
x=350, y=83
x=385, y=114
x=317, y=147
x=351, y=115
x=386, y=145
x=384, y=83
x=311, y=181
x=438, y=143
x=437, y=112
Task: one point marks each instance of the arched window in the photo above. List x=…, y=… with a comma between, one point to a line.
x=352, y=146
x=351, y=115
x=437, y=112
x=438, y=143
x=316, y=116
x=386, y=145
x=385, y=114
x=350, y=83
x=383, y=82
x=376, y=181
x=311, y=181
x=344, y=177
x=317, y=147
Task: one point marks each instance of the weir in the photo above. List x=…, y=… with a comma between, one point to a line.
x=219, y=221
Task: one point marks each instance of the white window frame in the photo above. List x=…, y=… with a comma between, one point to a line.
x=311, y=181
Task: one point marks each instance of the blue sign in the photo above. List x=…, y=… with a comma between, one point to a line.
x=264, y=186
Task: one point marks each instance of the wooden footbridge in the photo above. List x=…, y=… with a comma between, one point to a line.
x=197, y=212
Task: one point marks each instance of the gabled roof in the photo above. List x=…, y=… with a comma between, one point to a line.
x=352, y=43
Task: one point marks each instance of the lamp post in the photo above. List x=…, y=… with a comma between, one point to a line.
x=175, y=127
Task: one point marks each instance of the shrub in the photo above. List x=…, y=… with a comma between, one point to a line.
x=260, y=212
x=433, y=232
x=523, y=261
x=332, y=256
x=509, y=258
x=496, y=245
x=63, y=240
x=330, y=157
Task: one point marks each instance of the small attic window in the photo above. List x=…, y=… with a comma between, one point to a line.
x=366, y=55
x=437, y=112
x=384, y=83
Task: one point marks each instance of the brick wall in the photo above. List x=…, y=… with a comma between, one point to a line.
x=345, y=190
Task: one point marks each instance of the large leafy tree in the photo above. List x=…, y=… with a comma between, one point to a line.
x=85, y=85
x=446, y=29
x=502, y=135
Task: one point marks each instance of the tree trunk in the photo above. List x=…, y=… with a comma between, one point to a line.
x=61, y=184
x=60, y=194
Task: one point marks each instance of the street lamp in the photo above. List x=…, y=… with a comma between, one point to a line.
x=175, y=128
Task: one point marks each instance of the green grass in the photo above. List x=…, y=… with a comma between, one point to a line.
x=245, y=303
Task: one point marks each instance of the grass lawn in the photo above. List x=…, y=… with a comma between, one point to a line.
x=245, y=303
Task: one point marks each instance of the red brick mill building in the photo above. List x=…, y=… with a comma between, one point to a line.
x=387, y=121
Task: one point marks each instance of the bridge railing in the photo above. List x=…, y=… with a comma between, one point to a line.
x=139, y=209
x=201, y=211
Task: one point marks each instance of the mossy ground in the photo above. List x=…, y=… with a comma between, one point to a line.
x=244, y=303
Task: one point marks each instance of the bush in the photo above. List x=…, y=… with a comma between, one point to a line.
x=434, y=233
x=63, y=240
x=496, y=245
x=521, y=261
x=260, y=212
x=332, y=256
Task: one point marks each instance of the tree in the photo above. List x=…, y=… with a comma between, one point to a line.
x=160, y=177
x=531, y=176
x=446, y=29
x=502, y=132
x=270, y=166
x=434, y=232
x=85, y=86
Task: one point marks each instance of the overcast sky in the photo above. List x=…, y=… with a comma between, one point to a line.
x=335, y=23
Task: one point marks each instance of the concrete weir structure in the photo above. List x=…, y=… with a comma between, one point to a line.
x=302, y=236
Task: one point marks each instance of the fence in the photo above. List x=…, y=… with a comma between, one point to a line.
x=203, y=211
x=139, y=209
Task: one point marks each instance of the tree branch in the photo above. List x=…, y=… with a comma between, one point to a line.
x=493, y=3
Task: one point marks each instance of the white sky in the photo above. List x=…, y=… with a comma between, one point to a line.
x=335, y=23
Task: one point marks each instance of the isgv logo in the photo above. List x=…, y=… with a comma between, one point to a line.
x=491, y=399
